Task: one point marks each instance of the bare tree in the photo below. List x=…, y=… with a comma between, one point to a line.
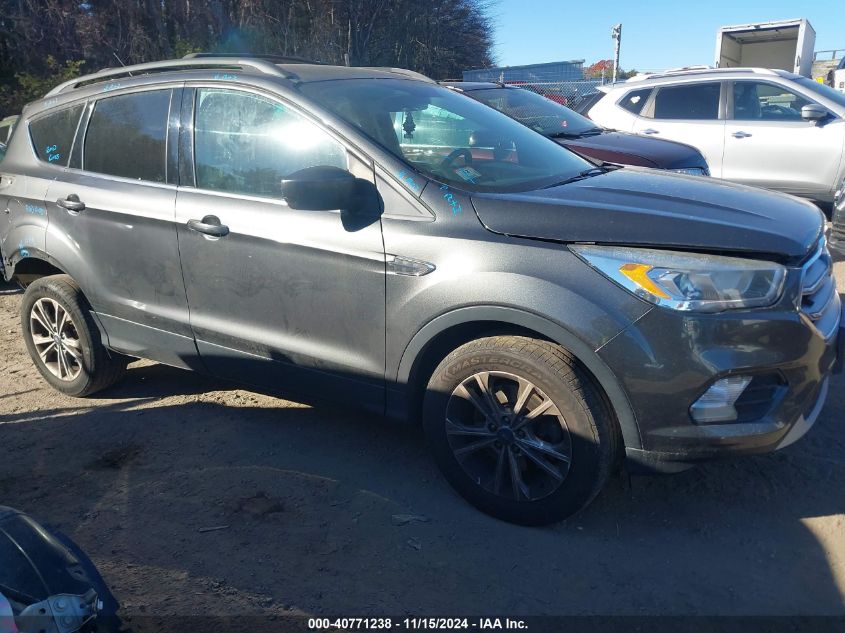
x=45, y=39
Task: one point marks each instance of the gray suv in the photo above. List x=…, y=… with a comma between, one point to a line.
x=288, y=227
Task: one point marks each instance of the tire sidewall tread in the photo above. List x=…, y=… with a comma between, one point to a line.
x=592, y=428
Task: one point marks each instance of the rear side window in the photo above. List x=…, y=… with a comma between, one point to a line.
x=52, y=135
x=699, y=102
x=127, y=136
x=245, y=143
x=634, y=101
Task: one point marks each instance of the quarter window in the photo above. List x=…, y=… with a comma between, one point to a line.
x=52, y=135
x=127, y=136
x=697, y=102
x=755, y=101
x=245, y=143
x=634, y=101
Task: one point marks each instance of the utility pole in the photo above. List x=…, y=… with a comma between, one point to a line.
x=616, y=34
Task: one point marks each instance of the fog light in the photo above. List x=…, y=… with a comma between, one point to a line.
x=717, y=403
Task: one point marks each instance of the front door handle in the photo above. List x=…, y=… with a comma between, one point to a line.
x=209, y=225
x=740, y=135
x=651, y=131
x=71, y=203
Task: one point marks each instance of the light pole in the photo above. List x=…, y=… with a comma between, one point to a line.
x=616, y=34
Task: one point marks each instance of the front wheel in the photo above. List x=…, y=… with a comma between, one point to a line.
x=519, y=429
x=63, y=340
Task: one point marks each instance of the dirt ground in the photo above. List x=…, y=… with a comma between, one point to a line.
x=308, y=495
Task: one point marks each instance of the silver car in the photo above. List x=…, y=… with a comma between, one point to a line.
x=768, y=128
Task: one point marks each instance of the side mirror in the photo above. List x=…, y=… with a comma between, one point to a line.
x=332, y=189
x=813, y=112
x=327, y=189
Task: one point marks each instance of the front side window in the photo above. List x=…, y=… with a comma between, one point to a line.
x=52, y=135
x=820, y=89
x=537, y=112
x=448, y=136
x=127, y=136
x=246, y=143
x=695, y=102
x=634, y=101
x=756, y=101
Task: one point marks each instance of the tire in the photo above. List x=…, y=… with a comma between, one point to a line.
x=479, y=454
x=85, y=366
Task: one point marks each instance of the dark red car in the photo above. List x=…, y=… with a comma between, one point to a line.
x=582, y=135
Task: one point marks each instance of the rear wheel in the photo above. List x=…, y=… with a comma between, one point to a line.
x=63, y=340
x=519, y=429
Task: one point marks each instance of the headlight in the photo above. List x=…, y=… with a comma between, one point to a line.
x=688, y=282
x=692, y=171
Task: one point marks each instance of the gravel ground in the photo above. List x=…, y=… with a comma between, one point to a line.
x=308, y=495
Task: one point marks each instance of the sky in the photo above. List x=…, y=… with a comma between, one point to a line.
x=656, y=34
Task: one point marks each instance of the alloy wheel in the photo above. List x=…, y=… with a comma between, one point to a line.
x=56, y=339
x=508, y=436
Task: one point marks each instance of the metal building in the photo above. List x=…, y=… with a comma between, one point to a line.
x=552, y=71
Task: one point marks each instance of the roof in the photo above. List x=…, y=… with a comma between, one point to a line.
x=306, y=73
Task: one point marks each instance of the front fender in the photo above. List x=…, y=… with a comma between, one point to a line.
x=544, y=326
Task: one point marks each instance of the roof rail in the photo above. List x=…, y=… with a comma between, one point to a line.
x=259, y=65
x=276, y=59
x=700, y=70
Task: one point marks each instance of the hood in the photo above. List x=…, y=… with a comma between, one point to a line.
x=630, y=149
x=640, y=207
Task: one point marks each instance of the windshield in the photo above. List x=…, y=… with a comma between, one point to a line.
x=826, y=91
x=447, y=136
x=536, y=111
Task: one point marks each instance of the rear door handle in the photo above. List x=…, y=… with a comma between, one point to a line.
x=209, y=225
x=651, y=131
x=71, y=203
x=740, y=135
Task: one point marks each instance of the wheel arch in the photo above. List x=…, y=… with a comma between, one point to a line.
x=443, y=334
x=38, y=265
x=35, y=266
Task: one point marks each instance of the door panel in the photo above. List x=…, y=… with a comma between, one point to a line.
x=288, y=299
x=794, y=157
x=768, y=144
x=124, y=244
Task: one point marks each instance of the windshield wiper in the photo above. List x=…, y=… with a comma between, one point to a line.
x=591, y=132
x=587, y=173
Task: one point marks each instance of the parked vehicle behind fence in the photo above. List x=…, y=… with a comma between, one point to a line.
x=768, y=128
x=289, y=226
x=581, y=135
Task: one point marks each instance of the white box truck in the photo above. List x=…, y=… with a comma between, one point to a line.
x=839, y=76
x=785, y=44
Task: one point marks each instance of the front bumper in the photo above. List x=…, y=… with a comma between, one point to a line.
x=666, y=361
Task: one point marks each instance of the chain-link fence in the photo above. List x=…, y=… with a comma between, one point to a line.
x=564, y=92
